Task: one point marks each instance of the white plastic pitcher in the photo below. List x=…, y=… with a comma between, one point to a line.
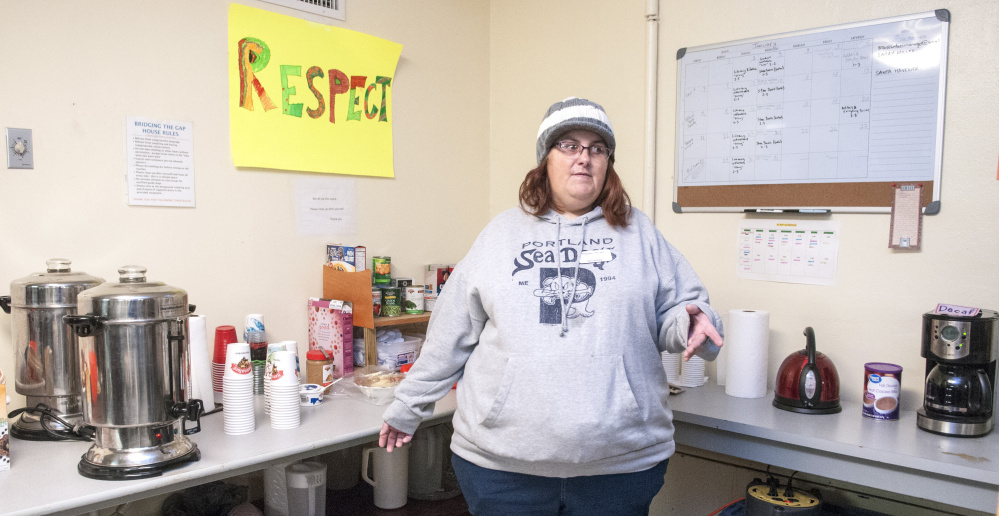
x=306, y=489
x=391, y=474
x=426, y=460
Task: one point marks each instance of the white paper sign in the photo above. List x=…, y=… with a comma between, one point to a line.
x=325, y=206
x=160, y=162
x=790, y=251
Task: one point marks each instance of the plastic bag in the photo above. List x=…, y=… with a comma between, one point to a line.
x=370, y=384
x=211, y=499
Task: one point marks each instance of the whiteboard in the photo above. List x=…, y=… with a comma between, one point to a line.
x=847, y=107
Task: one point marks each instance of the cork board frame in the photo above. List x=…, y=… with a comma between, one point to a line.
x=722, y=92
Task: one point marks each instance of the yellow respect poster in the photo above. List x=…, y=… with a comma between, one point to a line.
x=309, y=97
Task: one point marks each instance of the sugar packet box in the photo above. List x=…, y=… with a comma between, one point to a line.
x=435, y=278
x=346, y=258
x=331, y=329
x=4, y=433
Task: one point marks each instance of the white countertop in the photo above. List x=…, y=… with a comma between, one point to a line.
x=890, y=455
x=43, y=478
x=895, y=456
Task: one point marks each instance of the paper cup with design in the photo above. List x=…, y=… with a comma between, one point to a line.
x=254, y=322
x=290, y=345
x=283, y=371
x=237, y=361
x=269, y=365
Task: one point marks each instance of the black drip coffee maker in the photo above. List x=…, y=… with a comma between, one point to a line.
x=959, y=386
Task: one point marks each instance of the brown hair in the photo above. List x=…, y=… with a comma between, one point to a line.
x=536, y=195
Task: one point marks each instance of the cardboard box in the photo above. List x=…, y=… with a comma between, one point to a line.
x=4, y=431
x=436, y=276
x=346, y=258
x=354, y=287
x=331, y=329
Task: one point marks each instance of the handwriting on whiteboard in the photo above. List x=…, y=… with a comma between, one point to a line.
x=854, y=104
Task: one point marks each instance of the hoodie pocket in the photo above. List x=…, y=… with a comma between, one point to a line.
x=574, y=409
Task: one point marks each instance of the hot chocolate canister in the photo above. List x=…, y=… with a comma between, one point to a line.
x=882, y=385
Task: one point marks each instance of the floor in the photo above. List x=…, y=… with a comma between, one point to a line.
x=359, y=501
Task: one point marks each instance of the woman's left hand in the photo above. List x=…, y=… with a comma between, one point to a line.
x=700, y=330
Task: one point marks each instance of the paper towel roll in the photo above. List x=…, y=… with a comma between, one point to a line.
x=721, y=367
x=747, y=340
x=201, y=361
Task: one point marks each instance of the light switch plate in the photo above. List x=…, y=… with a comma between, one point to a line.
x=20, y=148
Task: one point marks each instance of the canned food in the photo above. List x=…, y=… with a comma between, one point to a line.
x=381, y=268
x=413, y=299
x=882, y=384
x=391, y=302
x=376, y=301
x=402, y=283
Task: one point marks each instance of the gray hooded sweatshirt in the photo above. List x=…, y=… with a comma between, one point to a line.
x=554, y=328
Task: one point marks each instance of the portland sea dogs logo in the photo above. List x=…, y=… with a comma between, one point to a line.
x=566, y=287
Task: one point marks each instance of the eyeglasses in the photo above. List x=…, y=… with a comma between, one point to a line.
x=573, y=149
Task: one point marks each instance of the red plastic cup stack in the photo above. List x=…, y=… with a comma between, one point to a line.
x=224, y=335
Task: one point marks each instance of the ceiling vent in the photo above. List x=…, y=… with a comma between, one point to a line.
x=329, y=8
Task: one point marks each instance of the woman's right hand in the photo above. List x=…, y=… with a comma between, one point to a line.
x=391, y=437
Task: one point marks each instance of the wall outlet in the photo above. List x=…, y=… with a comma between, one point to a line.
x=20, y=149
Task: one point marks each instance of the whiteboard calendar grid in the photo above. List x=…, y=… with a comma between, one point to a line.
x=853, y=103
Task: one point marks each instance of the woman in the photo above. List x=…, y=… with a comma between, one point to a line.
x=554, y=323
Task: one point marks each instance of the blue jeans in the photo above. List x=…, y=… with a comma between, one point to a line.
x=500, y=493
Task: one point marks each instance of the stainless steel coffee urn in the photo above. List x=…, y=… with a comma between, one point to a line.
x=135, y=357
x=47, y=369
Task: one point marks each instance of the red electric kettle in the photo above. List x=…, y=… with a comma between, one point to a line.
x=807, y=381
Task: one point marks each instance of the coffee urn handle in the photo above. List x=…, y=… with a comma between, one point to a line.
x=5, y=303
x=83, y=325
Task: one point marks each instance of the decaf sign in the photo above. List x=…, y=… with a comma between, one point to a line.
x=309, y=97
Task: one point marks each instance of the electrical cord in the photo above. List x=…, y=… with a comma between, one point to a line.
x=215, y=410
x=68, y=432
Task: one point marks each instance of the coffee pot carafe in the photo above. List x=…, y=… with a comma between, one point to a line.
x=958, y=391
x=959, y=386
x=135, y=358
x=46, y=368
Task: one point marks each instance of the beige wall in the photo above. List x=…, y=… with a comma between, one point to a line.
x=543, y=52
x=75, y=70
x=472, y=85
x=873, y=313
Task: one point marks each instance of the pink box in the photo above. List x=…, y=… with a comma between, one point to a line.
x=331, y=329
x=4, y=430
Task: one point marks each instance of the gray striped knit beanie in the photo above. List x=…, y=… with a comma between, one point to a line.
x=569, y=115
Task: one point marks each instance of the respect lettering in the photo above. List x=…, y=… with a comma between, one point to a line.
x=254, y=55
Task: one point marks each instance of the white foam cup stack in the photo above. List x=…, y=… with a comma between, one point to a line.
x=671, y=362
x=692, y=372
